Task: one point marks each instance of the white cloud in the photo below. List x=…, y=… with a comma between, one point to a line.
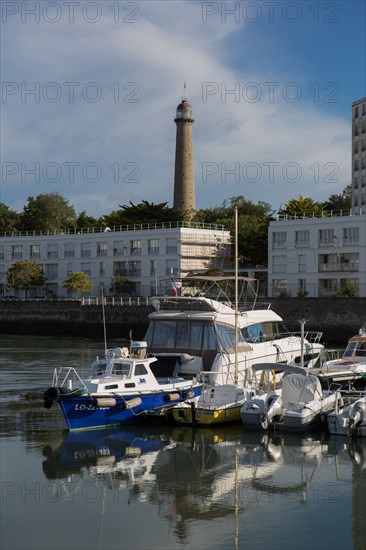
x=150, y=60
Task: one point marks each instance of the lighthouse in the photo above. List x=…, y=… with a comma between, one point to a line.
x=184, y=198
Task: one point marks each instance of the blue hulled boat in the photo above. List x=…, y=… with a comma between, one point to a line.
x=121, y=389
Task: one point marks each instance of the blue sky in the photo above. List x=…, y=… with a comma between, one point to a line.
x=89, y=91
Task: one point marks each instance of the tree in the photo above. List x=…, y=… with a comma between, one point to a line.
x=342, y=201
x=84, y=221
x=24, y=275
x=253, y=221
x=48, y=212
x=9, y=219
x=78, y=282
x=143, y=213
x=122, y=286
x=302, y=205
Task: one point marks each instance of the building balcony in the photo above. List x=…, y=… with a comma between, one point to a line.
x=339, y=266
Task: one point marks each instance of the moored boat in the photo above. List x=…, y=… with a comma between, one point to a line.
x=121, y=388
x=349, y=369
x=349, y=417
x=300, y=403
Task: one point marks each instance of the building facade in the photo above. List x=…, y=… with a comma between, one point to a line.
x=316, y=257
x=359, y=156
x=148, y=255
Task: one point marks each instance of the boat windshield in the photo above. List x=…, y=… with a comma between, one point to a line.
x=121, y=369
x=186, y=335
x=350, y=349
x=98, y=369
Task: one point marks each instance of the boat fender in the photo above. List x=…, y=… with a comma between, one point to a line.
x=171, y=397
x=47, y=403
x=52, y=394
x=131, y=403
x=188, y=394
x=103, y=402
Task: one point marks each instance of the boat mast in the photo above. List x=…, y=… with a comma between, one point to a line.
x=104, y=324
x=236, y=297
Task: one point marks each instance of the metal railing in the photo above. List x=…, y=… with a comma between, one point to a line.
x=115, y=228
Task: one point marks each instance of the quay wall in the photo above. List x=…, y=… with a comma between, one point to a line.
x=337, y=318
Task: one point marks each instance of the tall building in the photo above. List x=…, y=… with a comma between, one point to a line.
x=184, y=197
x=359, y=156
x=324, y=254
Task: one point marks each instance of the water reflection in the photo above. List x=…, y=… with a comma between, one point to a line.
x=220, y=488
x=191, y=475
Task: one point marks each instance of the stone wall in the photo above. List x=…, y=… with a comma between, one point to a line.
x=337, y=318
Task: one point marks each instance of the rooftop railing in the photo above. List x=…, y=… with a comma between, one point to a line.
x=115, y=229
x=317, y=215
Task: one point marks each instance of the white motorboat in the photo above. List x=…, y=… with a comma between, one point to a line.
x=298, y=405
x=349, y=416
x=349, y=370
x=195, y=335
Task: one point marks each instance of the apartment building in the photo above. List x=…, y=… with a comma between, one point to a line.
x=359, y=156
x=317, y=256
x=148, y=255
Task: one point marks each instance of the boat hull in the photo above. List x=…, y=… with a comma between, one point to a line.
x=191, y=416
x=339, y=422
x=83, y=413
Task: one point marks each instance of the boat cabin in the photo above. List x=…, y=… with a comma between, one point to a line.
x=356, y=348
x=119, y=371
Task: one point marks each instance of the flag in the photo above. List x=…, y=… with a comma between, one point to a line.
x=173, y=285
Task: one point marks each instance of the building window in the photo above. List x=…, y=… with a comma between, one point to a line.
x=52, y=251
x=86, y=250
x=35, y=251
x=302, y=263
x=134, y=269
x=69, y=269
x=171, y=246
x=69, y=250
x=279, y=238
x=51, y=271
x=17, y=251
x=326, y=237
x=135, y=247
x=350, y=235
x=86, y=268
x=101, y=269
x=328, y=262
x=302, y=238
x=350, y=262
x=302, y=286
x=327, y=286
x=119, y=268
x=153, y=246
x=102, y=249
x=119, y=248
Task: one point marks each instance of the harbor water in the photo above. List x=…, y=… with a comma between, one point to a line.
x=162, y=486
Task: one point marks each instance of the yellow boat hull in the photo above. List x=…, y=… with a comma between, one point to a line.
x=206, y=416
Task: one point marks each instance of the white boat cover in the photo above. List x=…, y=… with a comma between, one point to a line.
x=300, y=389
